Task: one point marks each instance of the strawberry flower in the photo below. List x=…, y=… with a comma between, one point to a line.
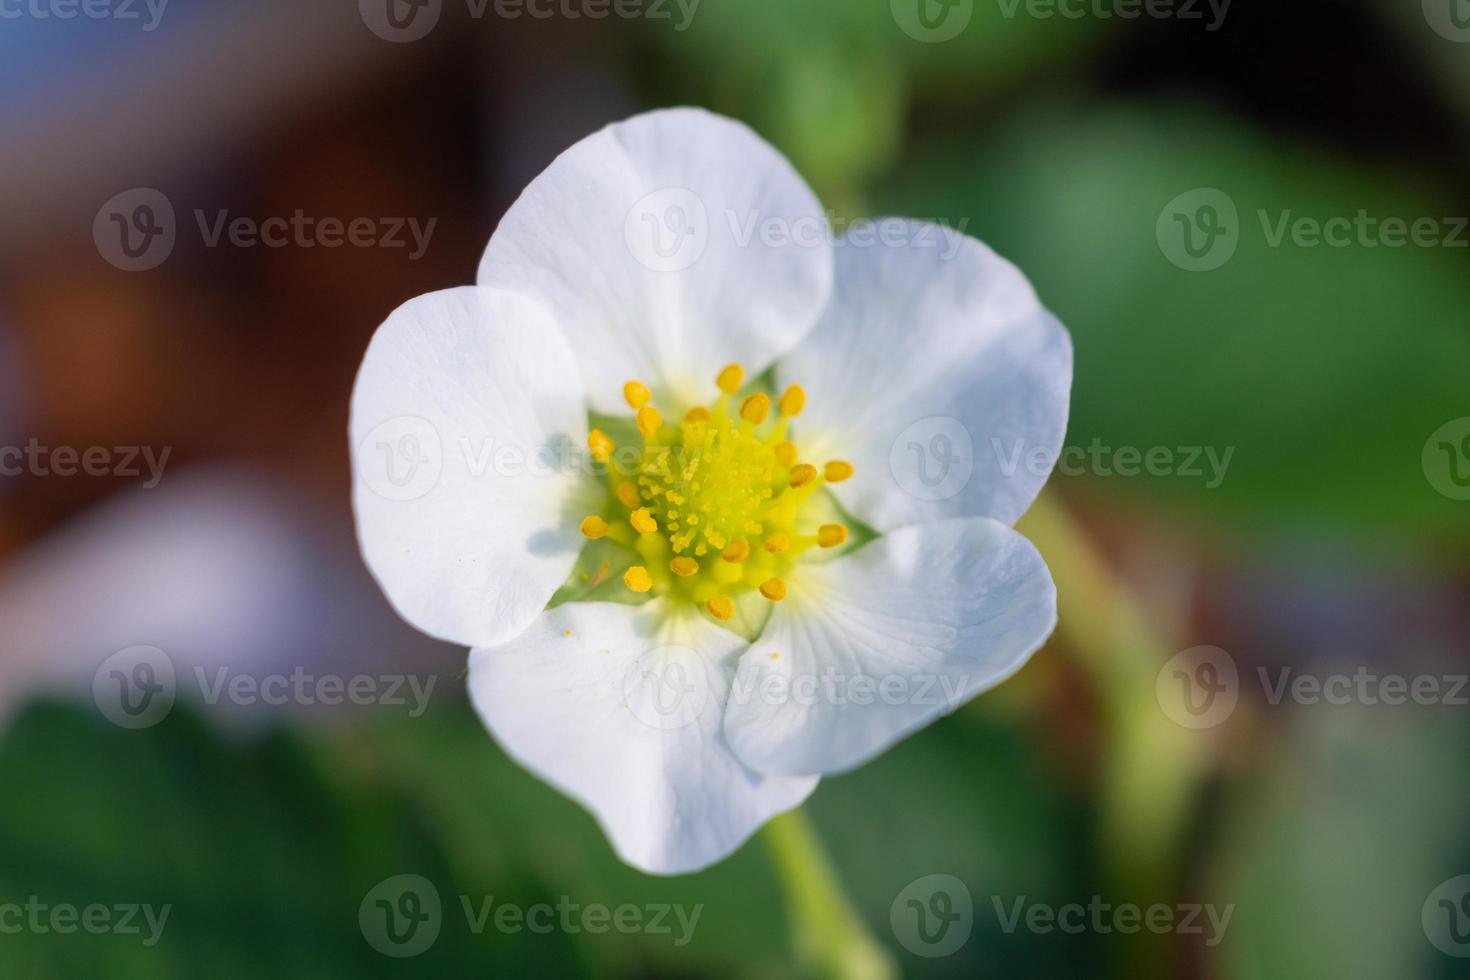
x=658, y=470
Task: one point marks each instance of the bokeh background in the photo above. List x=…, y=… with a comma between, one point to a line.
x=1081, y=147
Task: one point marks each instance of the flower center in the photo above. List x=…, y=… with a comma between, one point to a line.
x=714, y=505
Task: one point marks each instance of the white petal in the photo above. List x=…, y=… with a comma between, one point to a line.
x=740, y=270
x=466, y=515
x=620, y=708
x=879, y=643
x=938, y=374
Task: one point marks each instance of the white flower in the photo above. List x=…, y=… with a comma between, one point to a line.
x=795, y=507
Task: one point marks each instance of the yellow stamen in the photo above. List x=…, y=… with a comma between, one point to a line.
x=697, y=414
x=793, y=400
x=786, y=454
x=802, y=474
x=730, y=378
x=831, y=535
x=684, y=566
x=600, y=445
x=594, y=527
x=773, y=589
x=637, y=394
x=738, y=551
x=721, y=607
x=649, y=421
x=638, y=579
x=628, y=494
x=643, y=521
x=778, y=543
x=837, y=471
x=756, y=407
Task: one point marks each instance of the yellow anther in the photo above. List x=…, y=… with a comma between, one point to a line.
x=773, y=589
x=756, y=407
x=628, y=494
x=643, y=521
x=684, y=566
x=697, y=414
x=649, y=421
x=738, y=551
x=786, y=454
x=831, y=535
x=778, y=543
x=802, y=474
x=600, y=445
x=793, y=400
x=721, y=607
x=638, y=579
x=731, y=375
x=837, y=471
x=637, y=394
x=594, y=527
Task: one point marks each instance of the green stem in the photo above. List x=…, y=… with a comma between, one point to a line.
x=1153, y=770
x=830, y=939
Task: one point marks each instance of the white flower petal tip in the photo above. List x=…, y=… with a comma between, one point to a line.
x=668, y=245
x=465, y=414
x=936, y=367
x=621, y=707
x=880, y=643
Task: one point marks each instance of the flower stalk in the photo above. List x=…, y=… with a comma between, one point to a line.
x=831, y=941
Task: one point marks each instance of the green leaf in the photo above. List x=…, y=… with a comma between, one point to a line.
x=1324, y=369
